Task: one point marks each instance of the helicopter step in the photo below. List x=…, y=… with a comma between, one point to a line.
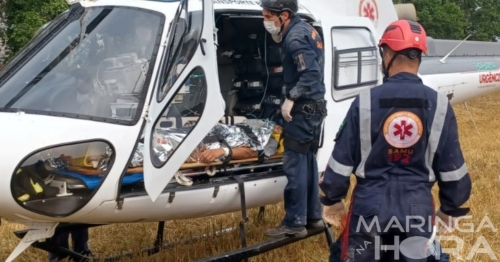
x=245, y=252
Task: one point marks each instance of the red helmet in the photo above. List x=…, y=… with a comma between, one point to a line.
x=404, y=34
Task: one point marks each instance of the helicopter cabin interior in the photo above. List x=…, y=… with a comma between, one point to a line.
x=250, y=78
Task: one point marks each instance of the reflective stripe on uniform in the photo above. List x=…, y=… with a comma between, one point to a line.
x=435, y=134
x=454, y=175
x=365, y=136
x=339, y=168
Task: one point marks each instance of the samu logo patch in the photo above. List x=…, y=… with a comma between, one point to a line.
x=403, y=129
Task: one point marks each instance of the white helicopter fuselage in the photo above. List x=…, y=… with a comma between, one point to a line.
x=25, y=133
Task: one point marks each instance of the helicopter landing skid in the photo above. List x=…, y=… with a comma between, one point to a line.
x=35, y=232
x=241, y=254
x=50, y=245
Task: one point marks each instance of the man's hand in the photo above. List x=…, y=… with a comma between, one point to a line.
x=332, y=214
x=286, y=108
x=449, y=221
x=210, y=155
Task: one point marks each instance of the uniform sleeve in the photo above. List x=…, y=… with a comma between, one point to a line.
x=343, y=161
x=451, y=172
x=308, y=68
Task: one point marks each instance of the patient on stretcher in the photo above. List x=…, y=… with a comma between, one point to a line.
x=210, y=155
x=241, y=152
x=254, y=139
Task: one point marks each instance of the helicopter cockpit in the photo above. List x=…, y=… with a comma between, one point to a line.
x=88, y=63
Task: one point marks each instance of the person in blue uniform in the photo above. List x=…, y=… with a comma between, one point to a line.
x=399, y=139
x=303, y=111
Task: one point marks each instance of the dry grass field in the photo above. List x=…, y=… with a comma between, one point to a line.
x=481, y=153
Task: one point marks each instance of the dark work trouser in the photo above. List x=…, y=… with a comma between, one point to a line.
x=79, y=237
x=301, y=194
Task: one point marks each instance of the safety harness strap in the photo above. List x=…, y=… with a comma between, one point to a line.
x=295, y=145
x=212, y=139
x=310, y=107
x=227, y=158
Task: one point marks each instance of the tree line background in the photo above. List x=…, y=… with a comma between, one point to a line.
x=445, y=19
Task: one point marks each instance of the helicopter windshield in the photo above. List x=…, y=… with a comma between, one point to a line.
x=92, y=63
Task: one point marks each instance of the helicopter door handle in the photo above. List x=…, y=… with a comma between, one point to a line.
x=202, y=45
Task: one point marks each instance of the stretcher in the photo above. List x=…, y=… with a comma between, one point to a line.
x=92, y=178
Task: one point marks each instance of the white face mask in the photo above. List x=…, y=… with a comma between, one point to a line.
x=271, y=28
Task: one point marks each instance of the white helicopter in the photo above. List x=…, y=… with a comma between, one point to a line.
x=125, y=154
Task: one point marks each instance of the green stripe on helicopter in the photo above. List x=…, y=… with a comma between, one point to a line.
x=486, y=66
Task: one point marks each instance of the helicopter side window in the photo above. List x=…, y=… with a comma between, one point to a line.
x=110, y=48
x=187, y=106
x=355, y=61
x=183, y=40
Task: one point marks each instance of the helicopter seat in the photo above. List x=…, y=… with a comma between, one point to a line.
x=122, y=75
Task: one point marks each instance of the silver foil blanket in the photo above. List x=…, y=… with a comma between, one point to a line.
x=239, y=134
x=166, y=143
x=138, y=156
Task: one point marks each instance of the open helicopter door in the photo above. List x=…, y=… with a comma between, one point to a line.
x=355, y=56
x=189, y=86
